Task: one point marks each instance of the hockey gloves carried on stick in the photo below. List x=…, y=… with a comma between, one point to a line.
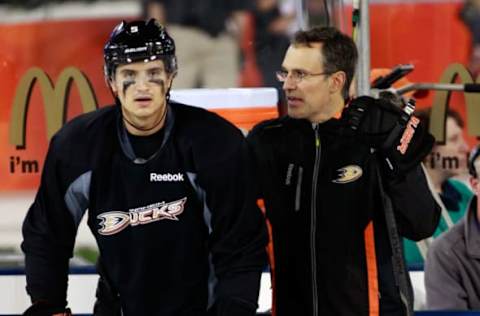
x=400, y=138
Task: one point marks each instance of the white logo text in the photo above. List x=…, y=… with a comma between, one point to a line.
x=167, y=177
x=115, y=221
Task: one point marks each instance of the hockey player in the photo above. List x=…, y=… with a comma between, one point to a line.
x=168, y=192
x=328, y=185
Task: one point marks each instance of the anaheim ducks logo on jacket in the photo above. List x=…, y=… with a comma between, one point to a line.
x=348, y=174
x=114, y=222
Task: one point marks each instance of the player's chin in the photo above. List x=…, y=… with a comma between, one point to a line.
x=143, y=112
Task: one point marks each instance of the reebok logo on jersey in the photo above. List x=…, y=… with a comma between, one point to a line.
x=348, y=174
x=115, y=221
x=166, y=177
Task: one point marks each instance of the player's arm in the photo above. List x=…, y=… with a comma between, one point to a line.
x=238, y=232
x=48, y=239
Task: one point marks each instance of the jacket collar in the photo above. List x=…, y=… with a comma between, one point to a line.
x=472, y=230
x=332, y=125
x=125, y=141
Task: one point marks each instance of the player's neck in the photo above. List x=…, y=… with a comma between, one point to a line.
x=140, y=129
x=147, y=126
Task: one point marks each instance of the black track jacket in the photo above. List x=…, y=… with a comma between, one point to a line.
x=331, y=244
x=164, y=225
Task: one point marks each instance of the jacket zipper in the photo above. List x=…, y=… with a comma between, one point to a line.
x=298, y=191
x=318, y=150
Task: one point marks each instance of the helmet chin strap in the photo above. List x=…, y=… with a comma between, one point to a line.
x=146, y=129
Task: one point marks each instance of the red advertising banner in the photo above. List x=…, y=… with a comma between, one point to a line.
x=52, y=71
x=42, y=94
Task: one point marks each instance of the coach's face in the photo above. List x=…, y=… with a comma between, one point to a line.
x=311, y=91
x=141, y=88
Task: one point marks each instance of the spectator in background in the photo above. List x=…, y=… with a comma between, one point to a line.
x=444, y=162
x=271, y=43
x=317, y=12
x=470, y=15
x=33, y=4
x=452, y=268
x=207, y=35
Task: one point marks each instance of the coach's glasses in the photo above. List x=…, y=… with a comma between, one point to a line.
x=297, y=75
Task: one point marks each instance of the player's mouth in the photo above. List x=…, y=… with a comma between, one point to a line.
x=143, y=100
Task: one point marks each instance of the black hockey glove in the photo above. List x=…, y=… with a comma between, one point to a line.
x=43, y=308
x=108, y=302
x=401, y=140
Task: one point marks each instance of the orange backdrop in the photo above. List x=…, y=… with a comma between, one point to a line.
x=427, y=35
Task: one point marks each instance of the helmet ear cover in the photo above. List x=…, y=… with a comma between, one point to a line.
x=139, y=41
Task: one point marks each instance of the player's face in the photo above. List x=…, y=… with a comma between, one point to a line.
x=311, y=97
x=141, y=88
x=452, y=157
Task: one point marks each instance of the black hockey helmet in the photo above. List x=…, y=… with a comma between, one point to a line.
x=474, y=155
x=139, y=41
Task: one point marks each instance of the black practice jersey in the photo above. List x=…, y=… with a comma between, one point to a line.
x=164, y=224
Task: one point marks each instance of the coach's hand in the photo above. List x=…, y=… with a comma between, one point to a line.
x=401, y=140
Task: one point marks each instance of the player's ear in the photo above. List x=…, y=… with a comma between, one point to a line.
x=113, y=85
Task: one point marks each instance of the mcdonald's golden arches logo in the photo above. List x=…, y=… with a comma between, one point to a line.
x=55, y=99
x=441, y=103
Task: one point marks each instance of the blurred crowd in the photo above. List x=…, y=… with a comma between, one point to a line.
x=470, y=15
x=237, y=43
x=29, y=4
